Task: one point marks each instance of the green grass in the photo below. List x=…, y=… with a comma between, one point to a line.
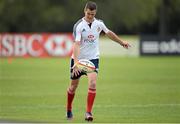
x=128, y=90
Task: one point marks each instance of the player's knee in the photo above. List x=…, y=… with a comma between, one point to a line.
x=92, y=84
x=74, y=87
x=74, y=84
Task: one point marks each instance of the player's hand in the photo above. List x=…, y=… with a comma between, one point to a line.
x=126, y=45
x=76, y=70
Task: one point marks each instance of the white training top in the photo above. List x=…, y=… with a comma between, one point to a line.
x=88, y=37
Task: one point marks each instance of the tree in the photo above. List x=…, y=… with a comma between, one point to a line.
x=122, y=16
x=128, y=14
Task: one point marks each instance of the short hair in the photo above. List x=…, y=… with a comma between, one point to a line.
x=91, y=5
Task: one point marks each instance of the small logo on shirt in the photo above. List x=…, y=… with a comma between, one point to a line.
x=83, y=30
x=91, y=36
x=98, y=29
x=90, y=39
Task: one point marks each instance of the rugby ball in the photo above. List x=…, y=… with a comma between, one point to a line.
x=86, y=66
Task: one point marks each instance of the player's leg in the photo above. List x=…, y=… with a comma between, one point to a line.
x=70, y=96
x=92, y=77
x=71, y=90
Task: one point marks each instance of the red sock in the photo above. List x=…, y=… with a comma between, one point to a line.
x=70, y=97
x=90, y=99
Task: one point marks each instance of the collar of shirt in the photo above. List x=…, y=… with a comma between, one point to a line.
x=88, y=22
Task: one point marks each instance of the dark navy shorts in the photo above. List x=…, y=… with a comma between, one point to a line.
x=94, y=61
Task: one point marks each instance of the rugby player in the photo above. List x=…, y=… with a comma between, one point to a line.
x=86, y=46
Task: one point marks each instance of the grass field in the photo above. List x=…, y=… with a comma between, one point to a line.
x=128, y=90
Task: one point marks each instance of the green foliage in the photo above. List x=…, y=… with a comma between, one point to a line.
x=173, y=18
x=129, y=13
x=60, y=15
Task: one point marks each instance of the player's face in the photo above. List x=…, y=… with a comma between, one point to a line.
x=89, y=14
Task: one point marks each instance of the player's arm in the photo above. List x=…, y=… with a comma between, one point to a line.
x=115, y=38
x=76, y=50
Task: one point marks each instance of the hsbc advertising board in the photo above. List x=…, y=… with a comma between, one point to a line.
x=36, y=45
x=154, y=45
